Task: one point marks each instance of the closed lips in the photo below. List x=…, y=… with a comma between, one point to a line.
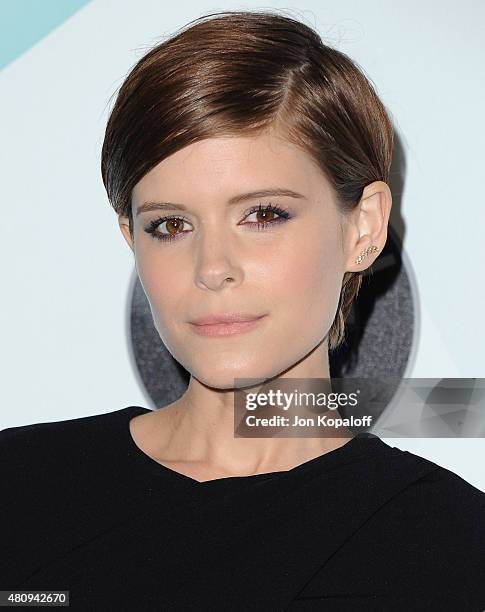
x=225, y=319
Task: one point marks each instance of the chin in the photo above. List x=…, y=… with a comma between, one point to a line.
x=237, y=377
x=229, y=377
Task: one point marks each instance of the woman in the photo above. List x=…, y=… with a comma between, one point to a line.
x=248, y=165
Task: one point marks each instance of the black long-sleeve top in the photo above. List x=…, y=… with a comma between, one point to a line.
x=365, y=527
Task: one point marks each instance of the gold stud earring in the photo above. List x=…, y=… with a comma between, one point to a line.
x=365, y=252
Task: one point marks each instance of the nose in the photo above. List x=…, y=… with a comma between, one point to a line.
x=216, y=261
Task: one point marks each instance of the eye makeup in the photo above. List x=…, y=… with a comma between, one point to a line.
x=179, y=220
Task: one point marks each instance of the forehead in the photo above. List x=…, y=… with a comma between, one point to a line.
x=225, y=165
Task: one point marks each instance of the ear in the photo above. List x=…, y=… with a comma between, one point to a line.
x=124, y=224
x=366, y=225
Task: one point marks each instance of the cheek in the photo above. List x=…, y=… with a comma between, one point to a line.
x=162, y=283
x=311, y=278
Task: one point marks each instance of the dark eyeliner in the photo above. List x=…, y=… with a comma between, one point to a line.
x=151, y=228
x=270, y=207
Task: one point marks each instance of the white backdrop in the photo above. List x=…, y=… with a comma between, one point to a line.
x=67, y=269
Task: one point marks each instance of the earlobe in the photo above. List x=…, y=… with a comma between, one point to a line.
x=365, y=253
x=123, y=222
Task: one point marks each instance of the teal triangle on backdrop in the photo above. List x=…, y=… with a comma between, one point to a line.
x=24, y=22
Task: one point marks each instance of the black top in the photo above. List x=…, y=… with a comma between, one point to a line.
x=363, y=527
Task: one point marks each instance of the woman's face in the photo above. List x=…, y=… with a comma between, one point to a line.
x=290, y=270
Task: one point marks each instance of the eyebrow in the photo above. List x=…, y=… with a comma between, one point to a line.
x=262, y=193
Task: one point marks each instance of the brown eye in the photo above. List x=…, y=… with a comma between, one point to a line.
x=267, y=216
x=174, y=226
x=264, y=216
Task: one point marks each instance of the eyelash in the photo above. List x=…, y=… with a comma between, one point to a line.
x=152, y=226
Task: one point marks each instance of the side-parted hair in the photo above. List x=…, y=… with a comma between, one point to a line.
x=241, y=73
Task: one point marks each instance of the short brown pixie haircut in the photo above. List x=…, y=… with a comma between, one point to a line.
x=239, y=73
